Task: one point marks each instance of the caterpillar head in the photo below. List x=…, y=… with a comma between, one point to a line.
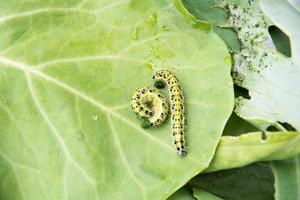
x=181, y=151
x=159, y=84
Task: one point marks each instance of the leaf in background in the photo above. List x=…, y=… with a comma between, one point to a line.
x=182, y=194
x=208, y=11
x=287, y=178
x=237, y=151
x=67, y=73
x=230, y=38
x=246, y=183
x=204, y=195
x=273, y=80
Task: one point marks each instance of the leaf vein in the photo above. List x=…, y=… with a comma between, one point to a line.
x=122, y=154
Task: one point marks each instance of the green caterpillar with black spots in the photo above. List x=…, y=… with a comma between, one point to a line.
x=151, y=104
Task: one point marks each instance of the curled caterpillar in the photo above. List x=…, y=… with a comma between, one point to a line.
x=177, y=108
x=150, y=104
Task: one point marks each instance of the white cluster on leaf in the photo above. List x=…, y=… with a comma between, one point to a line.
x=269, y=76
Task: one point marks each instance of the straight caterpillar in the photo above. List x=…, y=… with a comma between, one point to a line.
x=150, y=104
x=177, y=108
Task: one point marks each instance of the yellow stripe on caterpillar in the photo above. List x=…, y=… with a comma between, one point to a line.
x=149, y=103
x=177, y=108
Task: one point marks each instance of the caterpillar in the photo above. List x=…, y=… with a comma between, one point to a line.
x=151, y=105
x=177, y=108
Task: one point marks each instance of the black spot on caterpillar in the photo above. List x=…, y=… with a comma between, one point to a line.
x=177, y=108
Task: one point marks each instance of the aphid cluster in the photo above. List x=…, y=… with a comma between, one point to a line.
x=152, y=105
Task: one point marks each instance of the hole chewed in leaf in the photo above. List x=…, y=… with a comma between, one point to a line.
x=237, y=126
x=280, y=40
x=287, y=126
x=238, y=80
x=240, y=91
x=281, y=126
x=272, y=128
